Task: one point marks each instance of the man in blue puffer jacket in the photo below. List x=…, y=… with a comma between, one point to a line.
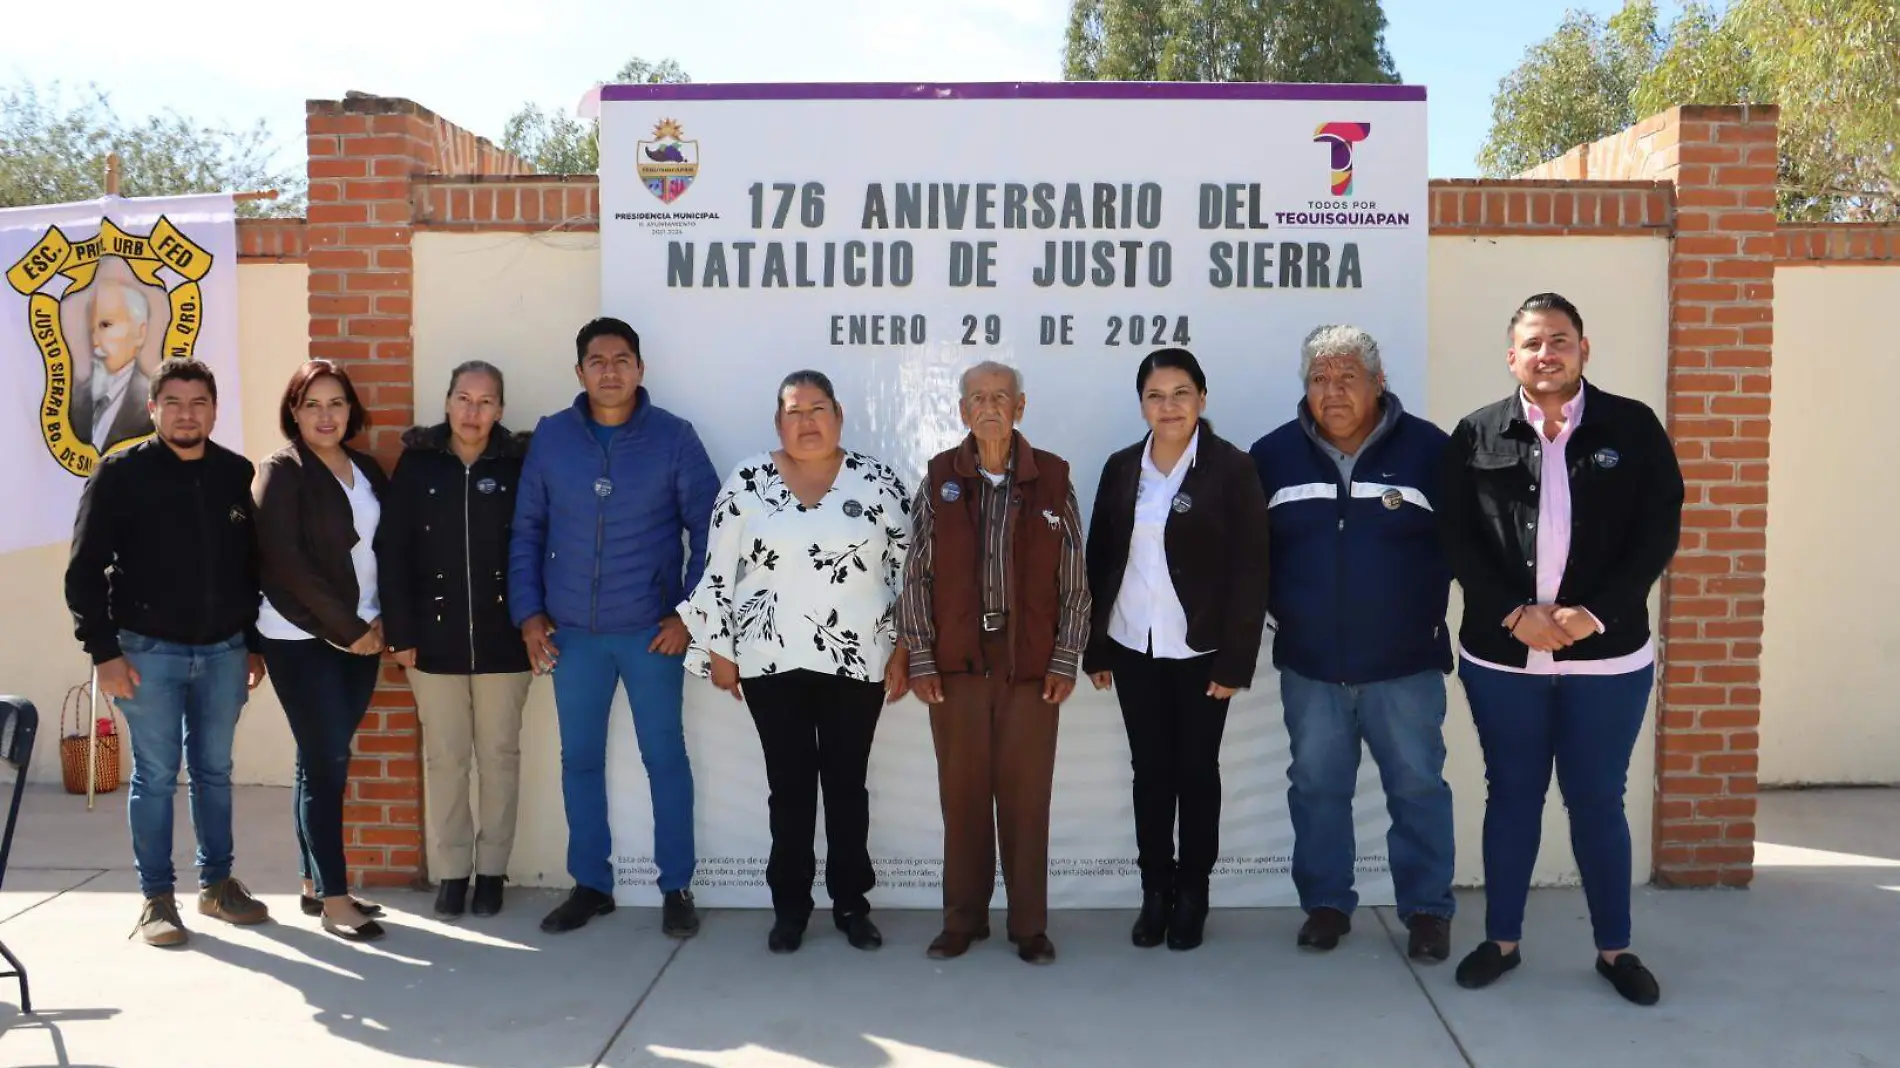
x=1357, y=587
x=595, y=568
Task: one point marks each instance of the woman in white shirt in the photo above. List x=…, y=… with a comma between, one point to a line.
x=796, y=616
x=1177, y=556
x=318, y=505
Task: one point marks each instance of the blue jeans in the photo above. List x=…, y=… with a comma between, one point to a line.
x=1587, y=726
x=325, y=692
x=1402, y=721
x=591, y=666
x=185, y=707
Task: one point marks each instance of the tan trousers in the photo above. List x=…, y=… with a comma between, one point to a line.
x=996, y=763
x=470, y=721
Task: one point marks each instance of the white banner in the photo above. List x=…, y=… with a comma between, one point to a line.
x=97, y=296
x=890, y=236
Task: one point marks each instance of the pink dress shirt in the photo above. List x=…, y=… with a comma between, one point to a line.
x=1553, y=550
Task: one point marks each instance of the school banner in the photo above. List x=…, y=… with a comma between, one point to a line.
x=97, y=296
x=893, y=235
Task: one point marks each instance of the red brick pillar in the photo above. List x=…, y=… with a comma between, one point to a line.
x=1721, y=347
x=365, y=155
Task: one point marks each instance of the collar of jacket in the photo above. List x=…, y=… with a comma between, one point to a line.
x=641, y=403
x=1390, y=408
x=1022, y=459
x=165, y=454
x=502, y=442
x=1598, y=406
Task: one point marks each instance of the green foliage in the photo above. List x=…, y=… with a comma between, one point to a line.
x=53, y=147
x=1833, y=67
x=1227, y=41
x=554, y=142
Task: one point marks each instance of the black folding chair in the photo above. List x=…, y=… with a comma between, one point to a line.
x=19, y=722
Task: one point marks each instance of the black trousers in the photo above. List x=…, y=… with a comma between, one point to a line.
x=817, y=729
x=1174, y=736
x=325, y=693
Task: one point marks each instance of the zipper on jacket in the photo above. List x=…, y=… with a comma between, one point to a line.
x=468, y=564
x=600, y=529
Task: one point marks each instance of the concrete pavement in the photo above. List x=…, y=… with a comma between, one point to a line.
x=1799, y=970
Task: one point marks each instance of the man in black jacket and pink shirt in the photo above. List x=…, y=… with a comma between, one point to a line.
x=1562, y=505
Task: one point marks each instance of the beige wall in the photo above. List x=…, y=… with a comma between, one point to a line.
x=516, y=300
x=41, y=661
x=1828, y=711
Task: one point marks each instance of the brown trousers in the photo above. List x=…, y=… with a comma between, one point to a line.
x=996, y=762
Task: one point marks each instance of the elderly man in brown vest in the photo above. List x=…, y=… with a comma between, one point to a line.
x=995, y=613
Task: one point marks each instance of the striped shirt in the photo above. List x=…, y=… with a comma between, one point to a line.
x=915, y=621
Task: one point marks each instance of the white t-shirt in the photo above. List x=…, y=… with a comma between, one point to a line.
x=365, y=512
x=789, y=587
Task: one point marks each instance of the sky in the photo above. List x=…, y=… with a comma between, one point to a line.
x=476, y=61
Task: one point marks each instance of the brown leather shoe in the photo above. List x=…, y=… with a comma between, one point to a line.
x=1323, y=929
x=1431, y=937
x=230, y=901
x=1036, y=949
x=952, y=944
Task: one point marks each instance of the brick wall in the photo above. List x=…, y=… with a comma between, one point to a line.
x=270, y=240
x=1837, y=243
x=366, y=155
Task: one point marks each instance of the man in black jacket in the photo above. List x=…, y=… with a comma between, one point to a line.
x=163, y=590
x=1561, y=506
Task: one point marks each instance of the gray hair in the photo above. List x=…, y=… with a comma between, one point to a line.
x=988, y=367
x=1336, y=340
x=136, y=307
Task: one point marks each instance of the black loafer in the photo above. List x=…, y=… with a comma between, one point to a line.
x=582, y=904
x=787, y=935
x=1486, y=965
x=367, y=931
x=859, y=931
x=1631, y=979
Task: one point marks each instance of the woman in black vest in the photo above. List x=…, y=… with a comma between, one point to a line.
x=443, y=551
x=1177, y=556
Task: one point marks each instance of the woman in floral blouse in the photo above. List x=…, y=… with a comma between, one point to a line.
x=796, y=617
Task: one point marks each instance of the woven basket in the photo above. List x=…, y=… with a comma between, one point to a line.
x=74, y=741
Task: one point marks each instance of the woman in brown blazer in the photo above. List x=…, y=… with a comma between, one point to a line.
x=318, y=504
x=1177, y=556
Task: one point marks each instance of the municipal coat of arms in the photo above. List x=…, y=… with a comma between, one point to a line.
x=104, y=310
x=669, y=162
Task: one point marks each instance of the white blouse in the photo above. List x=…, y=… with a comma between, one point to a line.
x=789, y=587
x=1147, y=610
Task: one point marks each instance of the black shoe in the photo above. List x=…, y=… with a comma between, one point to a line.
x=1431, y=937
x=313, y=906
x=678, y=917
x=487, y=899
x=1324, y=928
x=582, y=905
x=1631, y=979
x=1151, y=927
x=860, y=931
x=787, y=935
x=1486, y=965
x=1189, y=920
x=451, y=898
